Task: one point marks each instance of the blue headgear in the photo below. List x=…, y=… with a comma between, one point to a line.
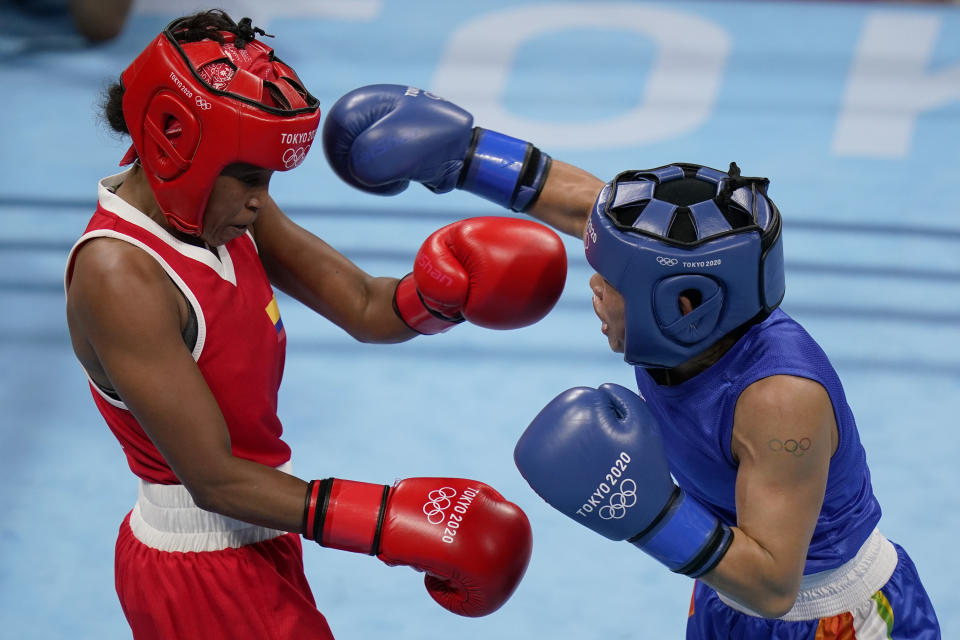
x=686, y=229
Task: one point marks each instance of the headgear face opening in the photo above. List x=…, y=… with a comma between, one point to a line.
x=686, y=229
x=193, y=108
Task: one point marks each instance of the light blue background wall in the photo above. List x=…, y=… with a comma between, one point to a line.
x=852, y=110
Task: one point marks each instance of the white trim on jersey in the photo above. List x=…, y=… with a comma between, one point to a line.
x=223, y=267
x=178, y=281
x=117, y=205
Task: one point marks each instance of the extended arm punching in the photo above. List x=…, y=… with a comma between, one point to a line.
x=380, y=137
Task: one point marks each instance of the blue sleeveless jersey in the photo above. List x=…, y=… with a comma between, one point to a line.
x=696, y=418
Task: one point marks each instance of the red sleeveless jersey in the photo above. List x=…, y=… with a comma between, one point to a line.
x=240, y=344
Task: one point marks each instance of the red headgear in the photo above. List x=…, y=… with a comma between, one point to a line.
x=192, y=108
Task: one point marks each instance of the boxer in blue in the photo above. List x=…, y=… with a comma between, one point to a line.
x=739, y=462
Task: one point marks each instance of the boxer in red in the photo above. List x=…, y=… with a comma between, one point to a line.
x=173, y=317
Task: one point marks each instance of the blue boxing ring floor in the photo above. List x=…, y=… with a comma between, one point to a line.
x=852, y=110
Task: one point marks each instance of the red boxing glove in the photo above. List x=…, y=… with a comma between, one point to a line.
x=472, y=544
x=499, y=273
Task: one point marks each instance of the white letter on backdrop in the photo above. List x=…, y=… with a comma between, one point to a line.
x=889, y=85
x=681, y=88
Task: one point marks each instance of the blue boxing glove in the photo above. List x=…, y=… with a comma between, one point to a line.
x=380, y=137
x=596, y=455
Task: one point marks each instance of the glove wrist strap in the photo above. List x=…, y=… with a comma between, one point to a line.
x=685, y=537
x=345, y=515
x=408, y=304
x=504, y=170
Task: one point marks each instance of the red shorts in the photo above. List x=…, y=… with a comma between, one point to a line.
x=257, y=591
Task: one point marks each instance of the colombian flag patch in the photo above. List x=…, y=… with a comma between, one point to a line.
x=273, y=311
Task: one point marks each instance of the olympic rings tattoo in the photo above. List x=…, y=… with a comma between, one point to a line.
x=794, y=447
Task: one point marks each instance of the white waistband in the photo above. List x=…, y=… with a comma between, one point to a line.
x=166, y=518
x=833, y=592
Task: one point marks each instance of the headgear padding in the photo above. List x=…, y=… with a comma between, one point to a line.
x=192, y=108
x=711, y=236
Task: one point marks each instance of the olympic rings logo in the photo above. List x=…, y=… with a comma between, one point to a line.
x=620, y=501
x=666, y=262
x=293, y=157
x=795, y=447
x=202, y=102
x=438, y=501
